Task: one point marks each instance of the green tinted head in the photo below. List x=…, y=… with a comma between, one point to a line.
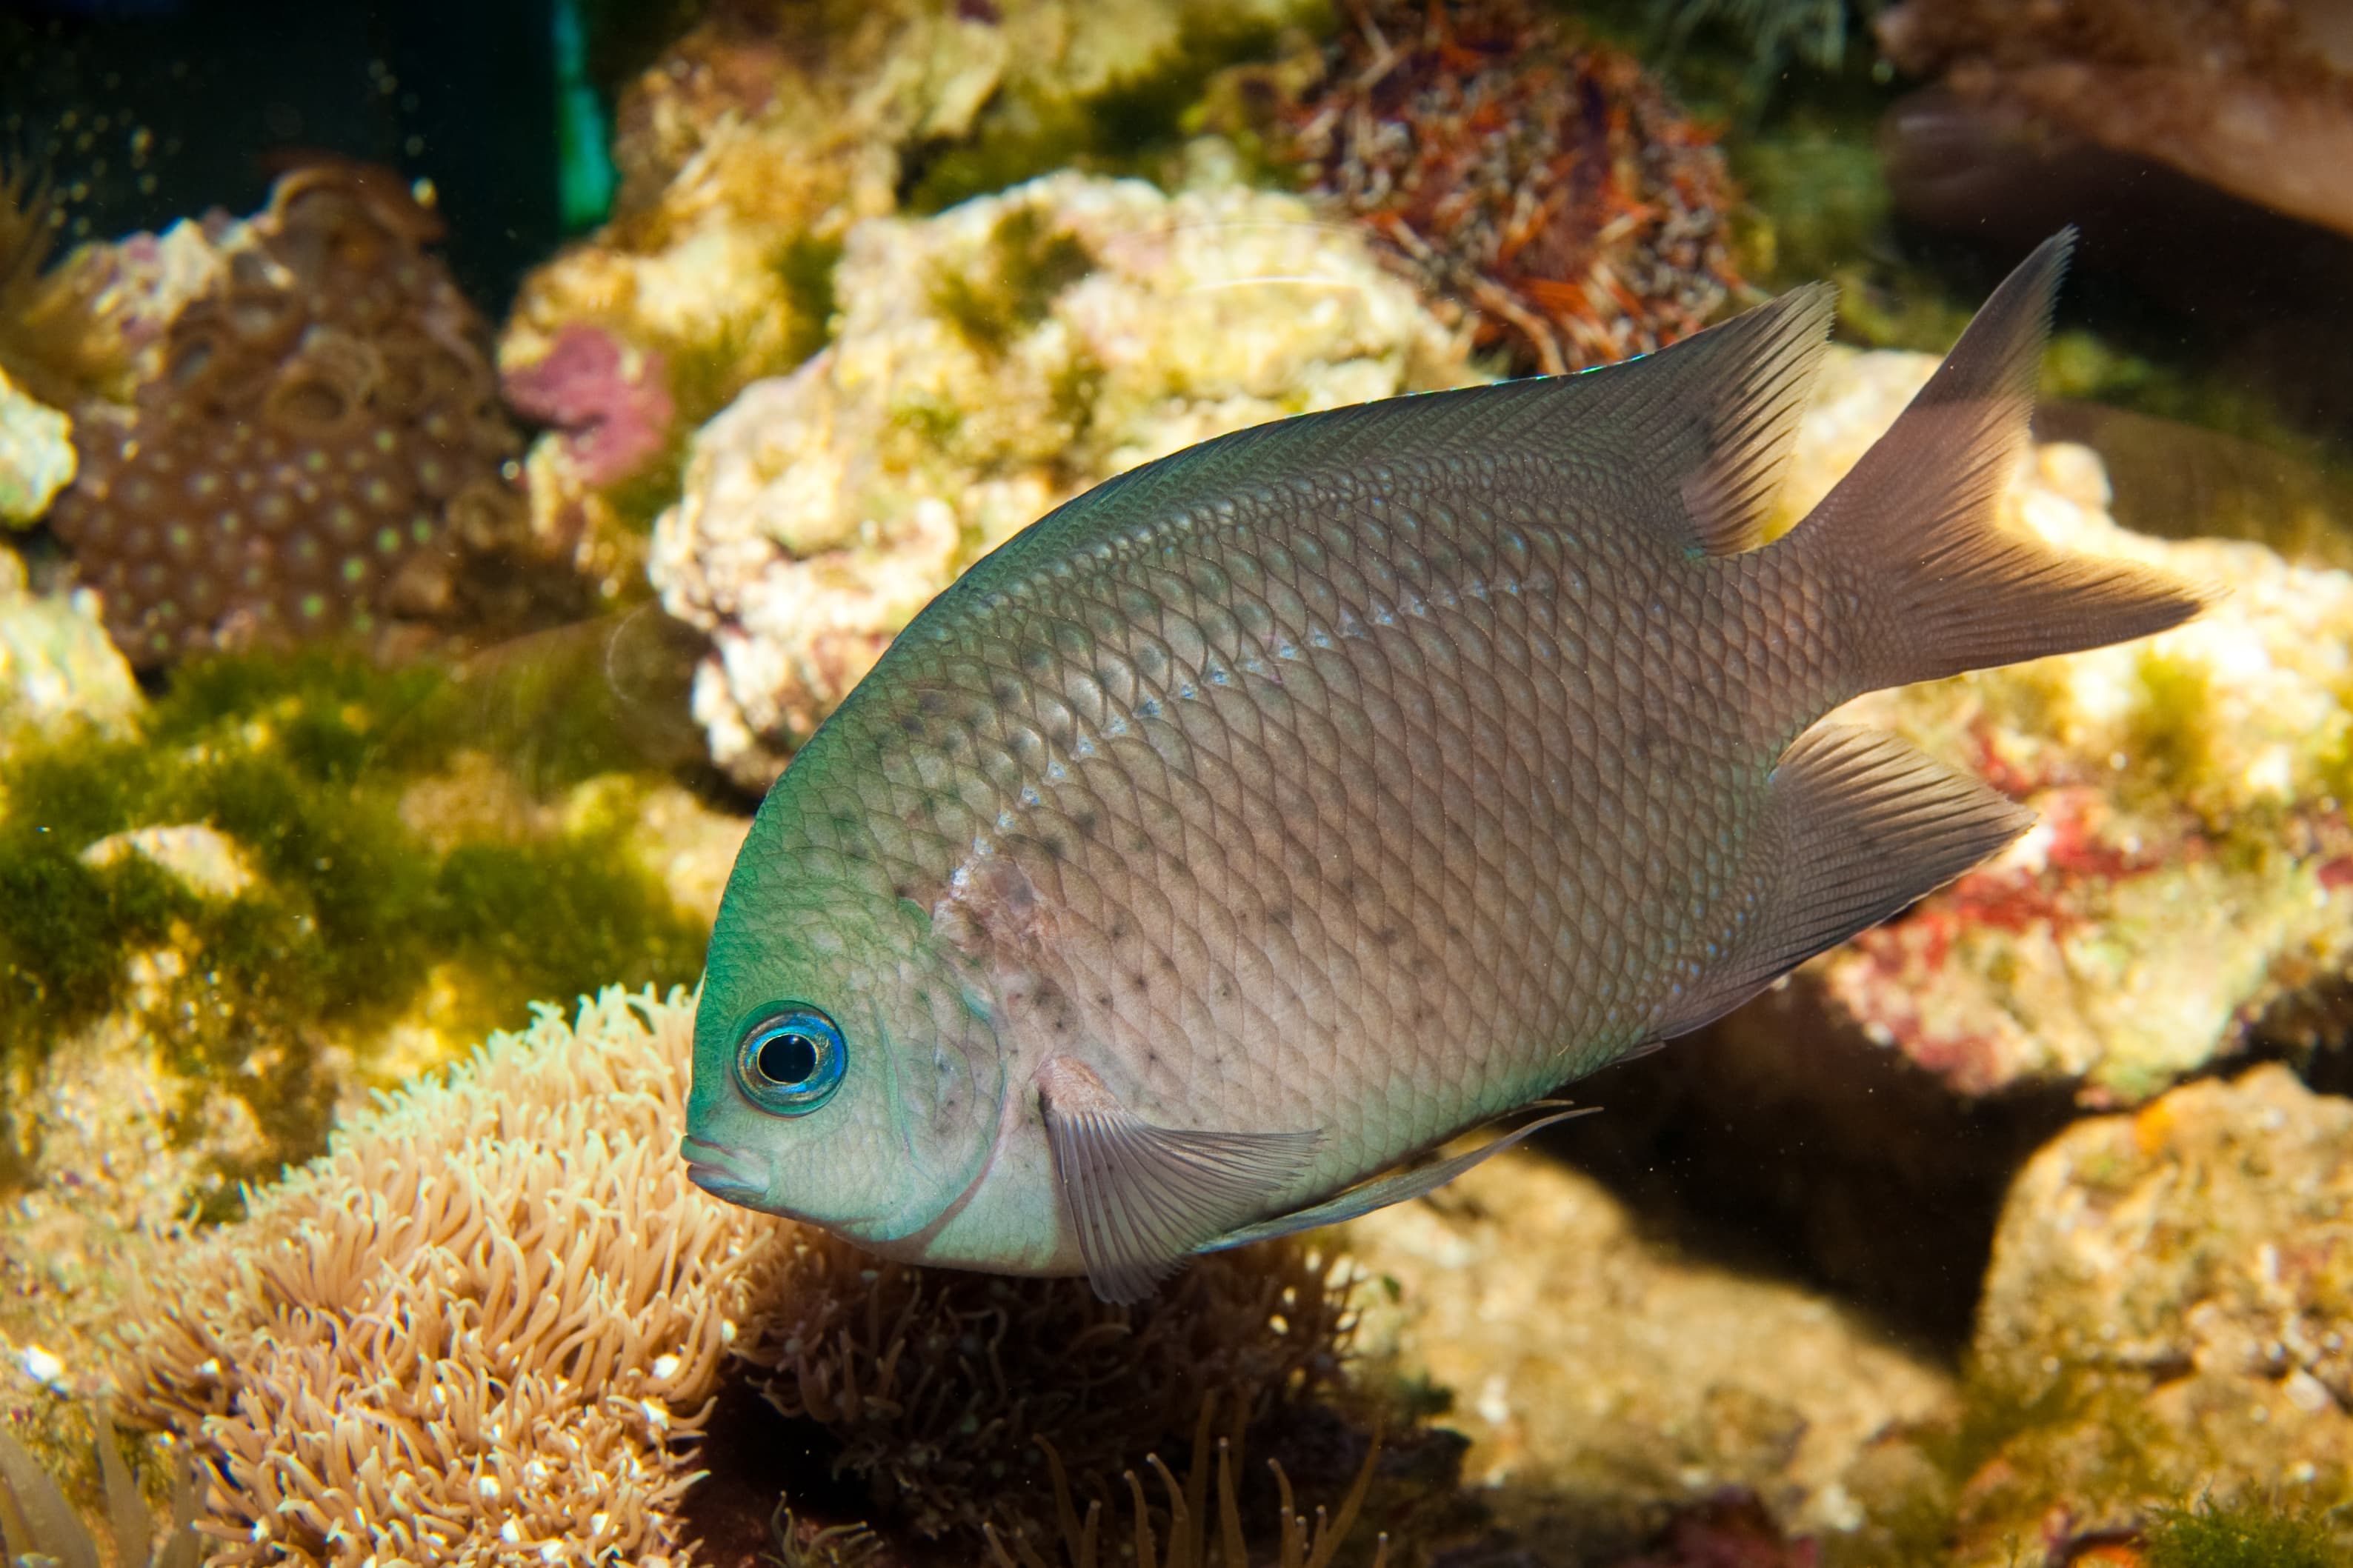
x=841, y=1074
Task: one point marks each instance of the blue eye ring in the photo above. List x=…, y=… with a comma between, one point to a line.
x=791, y=1060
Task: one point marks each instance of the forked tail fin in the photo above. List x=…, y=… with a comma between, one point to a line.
x=1925, y=583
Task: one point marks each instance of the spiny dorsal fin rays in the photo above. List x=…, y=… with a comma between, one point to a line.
x=1712, y=418
x=1143, y=1197
x=1723, y=419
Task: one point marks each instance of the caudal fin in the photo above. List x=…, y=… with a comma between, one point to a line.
x=1932, y=586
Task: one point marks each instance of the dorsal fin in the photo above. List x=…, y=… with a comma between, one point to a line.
x=1710, y=419
x=1718, y=412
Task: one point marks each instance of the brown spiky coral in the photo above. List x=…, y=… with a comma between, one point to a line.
x=939, y=1385
x=1547, y=188
x=315, y=443
x=484, y=1329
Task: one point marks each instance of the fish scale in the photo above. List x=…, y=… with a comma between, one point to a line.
x=1294, y=803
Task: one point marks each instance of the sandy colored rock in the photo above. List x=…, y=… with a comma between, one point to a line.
x=1602, y=1378
x=2169, y=1312
x=36, y=454
x=989, y=365
x=55, y=663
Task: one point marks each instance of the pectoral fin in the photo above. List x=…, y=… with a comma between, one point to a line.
x=1382, y=1191
x=1143, y=1197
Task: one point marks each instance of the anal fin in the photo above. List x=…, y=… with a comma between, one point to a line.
x=1144, y=1198
x=1399, y=1186
x=1860, y=825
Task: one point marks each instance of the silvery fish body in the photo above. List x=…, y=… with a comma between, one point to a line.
x=1287, y=806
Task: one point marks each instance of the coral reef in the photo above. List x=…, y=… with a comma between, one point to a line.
x=2166, y=1320
x=226, y=917
x=2193, y=865
x=1603, y=1378
x=946, y=1390
x=613, y=412
x=990, y=363
x=483, y=1328
x=36, y=454
x=490, y=1324
x=2254, y=96
x=751, y=146
x=316, y=444
x=1550, y=189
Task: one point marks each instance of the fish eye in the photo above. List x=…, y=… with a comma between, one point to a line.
x=791, y=1060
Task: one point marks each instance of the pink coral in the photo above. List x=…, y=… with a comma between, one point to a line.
x=611, y=400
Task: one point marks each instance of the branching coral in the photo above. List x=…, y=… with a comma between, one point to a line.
x=484, y=1329
x=1547, y=187
x=317, y=448
x=939, y=1385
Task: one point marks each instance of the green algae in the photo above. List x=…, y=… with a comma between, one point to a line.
x=2249, y=1533
x=301, y=762
x=2172, y=722
x=1025, y=265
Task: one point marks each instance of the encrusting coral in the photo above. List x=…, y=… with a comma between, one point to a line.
x=313, y=442
x=989, y=363
x=1547, y=188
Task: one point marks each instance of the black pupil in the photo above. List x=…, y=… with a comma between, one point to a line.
x=788, y=1058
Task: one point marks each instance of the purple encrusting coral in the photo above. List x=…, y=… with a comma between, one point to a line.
x=611, y=400
x=314, y=445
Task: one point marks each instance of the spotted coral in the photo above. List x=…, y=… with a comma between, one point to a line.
x=1547, y=188
x=939, y=1386
x=319, y=447
x=484, y=1329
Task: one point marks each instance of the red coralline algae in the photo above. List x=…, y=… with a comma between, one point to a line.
x=611, y=400
x=1545, y=186
x=313, y=445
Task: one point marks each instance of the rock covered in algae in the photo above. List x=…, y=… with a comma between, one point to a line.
x=2193, y=863
x=2169, y=1316
x=1603, y=1378
x=228, y=913
x=758, y=138
x=990, y=363
x=36, y=454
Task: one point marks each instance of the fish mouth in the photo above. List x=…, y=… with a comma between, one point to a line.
x=707, y=1167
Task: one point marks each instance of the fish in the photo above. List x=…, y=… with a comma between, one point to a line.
x=1274, y=813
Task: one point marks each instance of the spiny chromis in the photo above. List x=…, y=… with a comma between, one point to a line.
x=1279, y=810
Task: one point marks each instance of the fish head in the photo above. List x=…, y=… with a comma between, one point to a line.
x=844, y=1074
